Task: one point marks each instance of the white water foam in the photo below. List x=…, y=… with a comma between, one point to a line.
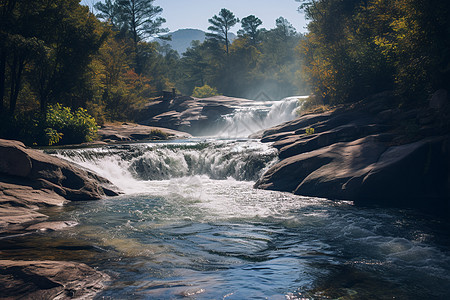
x=132, y=168
x=259, y=115
x=278, y=235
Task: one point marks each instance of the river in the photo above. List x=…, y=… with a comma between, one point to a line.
x=190, y=226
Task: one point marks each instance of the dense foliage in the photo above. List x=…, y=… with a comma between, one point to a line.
x=59, y=52
x=63, y=125
x=107, y=66
x=356, y=48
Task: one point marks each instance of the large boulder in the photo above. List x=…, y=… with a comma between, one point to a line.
x=411, y=175
x=366, y=171
x=325, y=171
x=30, y=179
x=371, y=154
x=49, y=280
x=43, y=171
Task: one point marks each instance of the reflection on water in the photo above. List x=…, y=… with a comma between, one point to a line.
x=224, y=239
x=197, y=237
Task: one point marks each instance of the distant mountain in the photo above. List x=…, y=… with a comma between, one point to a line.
x=182, y=38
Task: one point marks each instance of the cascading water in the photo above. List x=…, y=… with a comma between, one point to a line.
x=127, y=165
x=190, y=225
x=259, y=115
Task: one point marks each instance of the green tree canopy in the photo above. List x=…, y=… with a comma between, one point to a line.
x=250, y=26
x=360, y=47
x=220, y=27
x=139, y=18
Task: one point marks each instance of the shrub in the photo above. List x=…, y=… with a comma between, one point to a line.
x=157, y=134
x=58, y=126
x=204, y=91
x=309, y=131
x=73, y=128
x=52, y=136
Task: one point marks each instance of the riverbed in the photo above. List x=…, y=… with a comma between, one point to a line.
x=190, y=225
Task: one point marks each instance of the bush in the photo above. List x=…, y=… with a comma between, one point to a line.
x=58, y=126
x=75, y=128
x=158, y=134
x=204, y=92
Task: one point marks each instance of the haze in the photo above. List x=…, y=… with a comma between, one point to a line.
x=181, y=14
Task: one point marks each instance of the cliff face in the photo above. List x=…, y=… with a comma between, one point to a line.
x=367, y=154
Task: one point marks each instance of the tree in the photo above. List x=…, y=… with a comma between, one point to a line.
x=250, y=26
x=194, y=66
x=356, y=48
x=6, y=24
x=140, y=18
x=284, y=28
x=109, y=12
x=220, y=27
x=72, y=35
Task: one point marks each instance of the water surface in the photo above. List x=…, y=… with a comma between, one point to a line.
x=191, y=226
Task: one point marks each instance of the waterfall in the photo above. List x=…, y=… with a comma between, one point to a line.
x=259, y=115
x=127, y=166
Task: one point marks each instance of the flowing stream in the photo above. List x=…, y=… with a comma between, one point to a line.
x=190, y=226
x=259, y=115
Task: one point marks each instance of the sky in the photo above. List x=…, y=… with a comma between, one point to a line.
x=181, y=14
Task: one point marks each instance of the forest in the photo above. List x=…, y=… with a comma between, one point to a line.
x=65, y=69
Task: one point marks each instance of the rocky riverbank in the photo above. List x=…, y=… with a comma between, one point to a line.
x=30, y=180
x=131, y=132
x=193, y=115
x=369, y=153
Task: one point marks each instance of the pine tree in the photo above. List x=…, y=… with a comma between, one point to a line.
x=220, y=27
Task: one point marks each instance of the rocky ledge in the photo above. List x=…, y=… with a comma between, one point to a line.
x=194, y=115
x=49, y=280
x=30, y=179
x=367, y=154
x=130, y=132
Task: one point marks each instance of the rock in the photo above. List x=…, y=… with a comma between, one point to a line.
x=30, y=179
x=49, y=280
x=362, y=154
x=134, y=132
x=114, y=137
x=324, y=171
x=415, y=174
x=216, y=110
x=194, y=115
x=366, y=171
x=51, y=226
x=343, y=133
x=13, y=160
x=14, y=219
x=388, y=114
x=306, y=121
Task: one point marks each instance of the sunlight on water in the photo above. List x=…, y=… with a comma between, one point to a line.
x=202, y=232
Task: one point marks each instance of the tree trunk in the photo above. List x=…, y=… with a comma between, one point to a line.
x=16, y=78
x=226, y=40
